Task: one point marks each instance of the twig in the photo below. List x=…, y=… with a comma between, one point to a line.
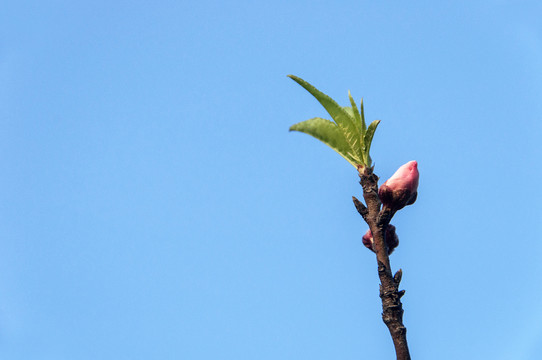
x=392, y=309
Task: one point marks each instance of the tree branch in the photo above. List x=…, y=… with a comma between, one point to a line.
x=392, y=308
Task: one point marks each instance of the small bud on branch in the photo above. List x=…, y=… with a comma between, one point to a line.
x=392, y=240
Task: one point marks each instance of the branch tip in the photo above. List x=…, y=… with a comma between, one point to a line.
x=360, y=207
x=398, y=276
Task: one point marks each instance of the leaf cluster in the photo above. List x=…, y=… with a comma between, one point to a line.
x=347, y=134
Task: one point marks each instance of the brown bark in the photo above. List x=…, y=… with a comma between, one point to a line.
x=378, y=220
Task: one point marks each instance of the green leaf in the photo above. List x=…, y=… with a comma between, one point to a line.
x=348, y=135
x=367, y=140
x=356, y=114
x=363, y=125
x=330, y=134
x=349, y=110
x=342, y=118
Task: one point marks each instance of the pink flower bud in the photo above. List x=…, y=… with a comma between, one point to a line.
x=392, y=240
x=402, y=188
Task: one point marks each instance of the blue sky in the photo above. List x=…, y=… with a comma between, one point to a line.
x=153, y=204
